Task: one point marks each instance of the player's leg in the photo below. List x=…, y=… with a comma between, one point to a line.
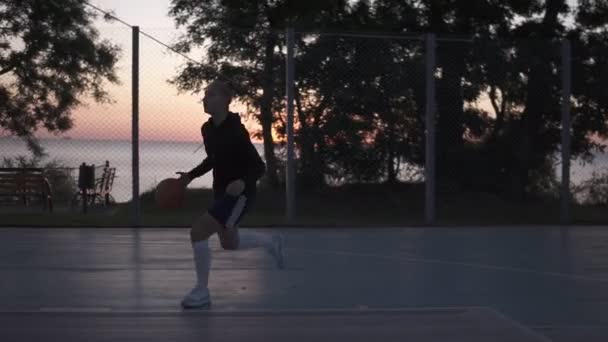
x=230, y=211
x=203, y=227
x=272, y=243
x=233, y=239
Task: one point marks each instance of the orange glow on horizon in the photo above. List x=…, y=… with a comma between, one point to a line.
x=178, y=120
x=164, y=113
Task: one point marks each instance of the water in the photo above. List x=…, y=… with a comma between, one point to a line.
x=158, y=160
x=161, y=159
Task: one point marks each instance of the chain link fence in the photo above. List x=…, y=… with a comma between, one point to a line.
x=359, y=118
x=361, y=104
x=98, y=138
x=169, y=128
x=498, y=130
x=589, y=176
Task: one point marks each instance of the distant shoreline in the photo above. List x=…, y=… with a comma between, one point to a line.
x=13, y=138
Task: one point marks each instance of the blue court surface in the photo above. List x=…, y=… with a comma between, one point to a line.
x=385, y=284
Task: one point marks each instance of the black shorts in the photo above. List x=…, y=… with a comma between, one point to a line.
x=229, y=210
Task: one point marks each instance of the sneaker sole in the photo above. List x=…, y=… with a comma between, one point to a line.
x=203, y=305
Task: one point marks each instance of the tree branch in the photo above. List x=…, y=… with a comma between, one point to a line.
x=500, y=118
x=505, y=101
x=494, y=102
x=7, y=69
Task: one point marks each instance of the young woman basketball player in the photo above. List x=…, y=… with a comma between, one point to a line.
x=236, y=167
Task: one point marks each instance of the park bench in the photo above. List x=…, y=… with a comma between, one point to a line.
x=22, y=185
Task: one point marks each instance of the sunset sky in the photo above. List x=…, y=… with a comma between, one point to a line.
x=164, y=114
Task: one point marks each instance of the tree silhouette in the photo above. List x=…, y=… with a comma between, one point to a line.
x=50, y=56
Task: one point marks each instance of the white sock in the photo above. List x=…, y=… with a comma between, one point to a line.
x=254, y=240
x=202, y=263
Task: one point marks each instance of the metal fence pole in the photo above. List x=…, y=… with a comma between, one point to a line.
x=136, y=205
x=429, y=165
x=566, y=132
x=290, y=166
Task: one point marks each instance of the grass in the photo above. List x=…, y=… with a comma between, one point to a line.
x=352, y=206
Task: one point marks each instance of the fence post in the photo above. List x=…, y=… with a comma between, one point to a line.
x=429, y=165
x=135, y=204
x=566, y=131
x=290, y=170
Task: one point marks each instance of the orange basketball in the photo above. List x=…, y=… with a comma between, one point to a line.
x=169, y=194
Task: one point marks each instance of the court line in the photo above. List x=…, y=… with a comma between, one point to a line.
x=319, y=311
x=453, y=263
x=361, y=310
x=74, y=309
x=523, y=327
x=575, y=326
x=241, y=311
x=136, y=268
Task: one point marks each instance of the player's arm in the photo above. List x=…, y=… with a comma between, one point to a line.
x=201, y=169
x=205, y=166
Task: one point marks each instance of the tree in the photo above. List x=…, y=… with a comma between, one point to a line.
x=543, y=87
x=522, y=70
x=514, y=57
x=360, y=101
x=589, y=76
x=355, y=108
x=50, y=56
x=461, y=19
x=243, y=41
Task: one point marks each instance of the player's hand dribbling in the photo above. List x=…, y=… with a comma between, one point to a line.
x=184, y=178
x=235, y=188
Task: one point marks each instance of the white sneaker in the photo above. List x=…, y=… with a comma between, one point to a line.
x=277, y=250
x=198, y=298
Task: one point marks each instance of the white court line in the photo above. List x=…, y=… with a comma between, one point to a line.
x=236, y=311
x=279, y=312
x=453, y=263
x=358, y=309
x=60, y=309
x=565, y=326
x=524, y=328
x=231, y=311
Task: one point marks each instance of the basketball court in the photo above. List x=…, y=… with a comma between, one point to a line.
x=390, y=284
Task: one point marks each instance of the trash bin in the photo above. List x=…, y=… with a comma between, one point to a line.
x=86, y=183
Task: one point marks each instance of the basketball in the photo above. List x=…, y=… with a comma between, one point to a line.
x=169, y=194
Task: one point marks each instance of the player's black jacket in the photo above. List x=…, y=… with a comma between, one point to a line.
x=231, y=155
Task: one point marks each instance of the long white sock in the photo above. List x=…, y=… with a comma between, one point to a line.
x=254, y=240
x=202, y=263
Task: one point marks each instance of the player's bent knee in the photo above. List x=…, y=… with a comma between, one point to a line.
x=230, y=244
x=203, y=228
